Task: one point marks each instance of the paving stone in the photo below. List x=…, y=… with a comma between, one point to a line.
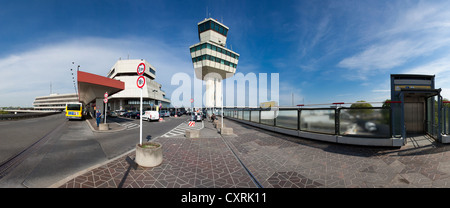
x=276, y=161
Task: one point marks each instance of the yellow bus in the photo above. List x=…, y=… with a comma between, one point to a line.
x=74, y=111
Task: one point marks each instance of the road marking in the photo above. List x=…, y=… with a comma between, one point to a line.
x=129, y=125
x=180, y=130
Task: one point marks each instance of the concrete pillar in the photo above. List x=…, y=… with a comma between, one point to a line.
x=209, y=93
x=99, y=105
x=218, y=92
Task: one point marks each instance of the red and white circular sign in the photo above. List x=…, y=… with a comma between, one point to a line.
x=140, y=81
x=192, y=100
x=141, y=69
x=105, y=100
x=106, y=95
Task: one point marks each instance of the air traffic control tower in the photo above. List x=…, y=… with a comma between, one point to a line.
x=212, y=61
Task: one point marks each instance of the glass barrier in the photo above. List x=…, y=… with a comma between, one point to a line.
x=396, y=119
x=267, y=117
x=254, y=116
x=370, y=122
x=287, y=119
x=318, y=120
x=246, y=115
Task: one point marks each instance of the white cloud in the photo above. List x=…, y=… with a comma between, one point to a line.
x=440, y=68
x=28, y=74
x=417, y=32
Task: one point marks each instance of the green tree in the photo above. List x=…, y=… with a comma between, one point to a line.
x=385, y=113
x=361, y=108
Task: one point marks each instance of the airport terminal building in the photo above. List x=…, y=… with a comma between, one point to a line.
x=129, y=98
x=54, y=101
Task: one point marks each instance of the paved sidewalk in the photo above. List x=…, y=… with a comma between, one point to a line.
x=276, y=161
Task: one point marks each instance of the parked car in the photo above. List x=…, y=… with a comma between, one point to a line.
x=121, y=113
x=127, y=114
x=164, y=113
x=370, y=126
x=113, y=114
x=179, y=113
x=196, y=116
x=150, y=116
x=199, y=116
x=135, y=114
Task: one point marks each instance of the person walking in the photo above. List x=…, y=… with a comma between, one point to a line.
x=98, y=116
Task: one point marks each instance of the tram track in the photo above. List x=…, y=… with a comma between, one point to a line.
x=8, y=165
x=255, y=181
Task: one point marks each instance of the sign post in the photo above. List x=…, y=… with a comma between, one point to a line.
x=140, y=84
x=106, y=103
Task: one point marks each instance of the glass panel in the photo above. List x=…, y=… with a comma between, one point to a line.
x=246, y=115
x=239, y=114
x=365, y=122
x=254, y=116
x=287, y=119
x=75, y=107
x=396, y=119
x=317, y=120
x=267, y=117
x=430, y=115
x=216, y=27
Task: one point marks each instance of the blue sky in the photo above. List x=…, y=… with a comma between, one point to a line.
x=324, y=51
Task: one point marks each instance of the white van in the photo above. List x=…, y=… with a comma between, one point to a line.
x=150, y=116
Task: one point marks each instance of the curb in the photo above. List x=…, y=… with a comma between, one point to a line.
x=68, y=178
x=108, y=131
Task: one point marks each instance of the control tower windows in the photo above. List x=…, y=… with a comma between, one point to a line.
x=211, y=25
x=215, y=48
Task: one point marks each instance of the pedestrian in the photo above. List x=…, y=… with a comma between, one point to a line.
x=98, y=116
x=213, y=117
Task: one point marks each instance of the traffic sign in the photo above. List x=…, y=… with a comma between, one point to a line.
x=106, y=94
x=192, y=100
x=141, y=69
x=191, y=123
x=140, y=81
x=105, y=100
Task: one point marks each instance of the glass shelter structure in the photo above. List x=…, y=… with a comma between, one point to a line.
x=417, y=107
